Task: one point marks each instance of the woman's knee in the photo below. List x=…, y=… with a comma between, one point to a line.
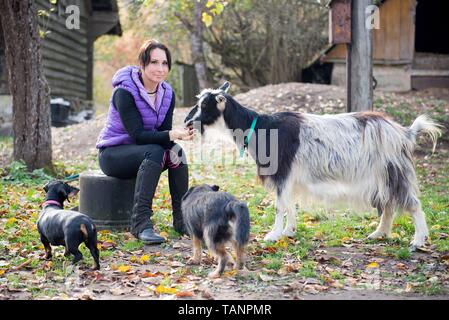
x=154, y=153
x=178, y=154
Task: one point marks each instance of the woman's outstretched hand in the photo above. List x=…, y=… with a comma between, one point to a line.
x=181, y=134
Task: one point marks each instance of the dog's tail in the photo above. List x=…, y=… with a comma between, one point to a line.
x=89, y=233
x=239, y=211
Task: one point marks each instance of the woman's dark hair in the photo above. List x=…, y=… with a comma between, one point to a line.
x=145, y=50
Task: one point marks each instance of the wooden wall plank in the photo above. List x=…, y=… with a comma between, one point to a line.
x=56, y=56
x=63, y=67
x=55, y=47
x=392, y=10
x=407, y=30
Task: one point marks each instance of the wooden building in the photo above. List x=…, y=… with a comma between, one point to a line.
x=410, y=48
x=68, y=52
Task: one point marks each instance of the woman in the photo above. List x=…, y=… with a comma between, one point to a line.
x=138, y=137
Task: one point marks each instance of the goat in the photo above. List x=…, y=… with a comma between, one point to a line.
x=360, y=158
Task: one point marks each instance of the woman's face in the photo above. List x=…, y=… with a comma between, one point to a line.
x=157, y=70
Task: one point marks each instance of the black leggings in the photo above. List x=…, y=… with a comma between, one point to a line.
x=123, y=161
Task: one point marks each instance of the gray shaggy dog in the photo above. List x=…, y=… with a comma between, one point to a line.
x=216, y=218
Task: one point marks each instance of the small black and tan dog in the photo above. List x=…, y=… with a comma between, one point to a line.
x=67, y=228
x=216, y=218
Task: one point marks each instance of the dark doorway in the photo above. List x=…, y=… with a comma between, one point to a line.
x=432, y=25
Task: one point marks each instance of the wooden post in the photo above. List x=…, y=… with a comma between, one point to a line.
x=360, y=60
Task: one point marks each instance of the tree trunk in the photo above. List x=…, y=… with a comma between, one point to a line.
x=196, y=40
x=27, y=83
x=360, y=60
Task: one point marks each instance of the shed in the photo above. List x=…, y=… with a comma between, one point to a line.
x=68, y=53
x=410, y=49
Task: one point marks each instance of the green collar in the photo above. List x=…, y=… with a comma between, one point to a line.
x=248, y=137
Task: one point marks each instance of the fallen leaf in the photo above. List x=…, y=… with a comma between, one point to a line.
x=164, y=234
x=372, y=265
x=176, y=264
x=401, y=266
x=151, y=275
x=165, y=290
x=185, y=294
x=117, y=291
x=282, y=243
x=144, y=258
x=409, y=287
x=230, y=273
x=206, y=294
x=124, y=268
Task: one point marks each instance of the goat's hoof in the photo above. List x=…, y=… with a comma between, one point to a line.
x=272, y=236
x=417, y=242
x=289, y=233
x=214, y=275
x=377, y=235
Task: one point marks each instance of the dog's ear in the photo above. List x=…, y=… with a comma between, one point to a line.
x=215, y=187
x=46, y=187
x=69, y=192
x=73, y=191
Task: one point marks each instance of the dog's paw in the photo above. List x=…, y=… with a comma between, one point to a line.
x=273, y=236
x=193, y=261
x=290, y=233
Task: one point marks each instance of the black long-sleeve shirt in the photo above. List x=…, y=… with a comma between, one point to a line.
x=132, y=120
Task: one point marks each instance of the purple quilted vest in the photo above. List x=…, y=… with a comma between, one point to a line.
x=114, y=132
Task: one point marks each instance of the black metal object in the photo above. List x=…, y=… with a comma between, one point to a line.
x=107, y=200
x=60, y=111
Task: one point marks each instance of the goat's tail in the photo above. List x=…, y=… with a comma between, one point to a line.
x=240, y=211
x=426, y=124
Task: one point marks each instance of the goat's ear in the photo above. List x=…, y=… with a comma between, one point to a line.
x=220, y=98
x=221, y=101
x=225, y=87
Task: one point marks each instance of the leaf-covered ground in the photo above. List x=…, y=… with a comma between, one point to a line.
x=329, y=258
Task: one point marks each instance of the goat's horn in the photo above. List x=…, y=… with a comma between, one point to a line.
x=225, y=86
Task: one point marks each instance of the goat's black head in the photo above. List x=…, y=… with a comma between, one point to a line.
x=209, y=108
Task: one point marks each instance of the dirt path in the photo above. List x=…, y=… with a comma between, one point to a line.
x=129, y=275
